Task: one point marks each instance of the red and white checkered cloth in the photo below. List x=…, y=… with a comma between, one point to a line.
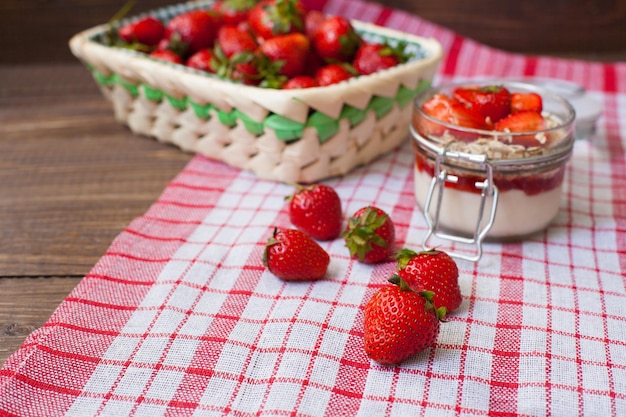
x=179, y=317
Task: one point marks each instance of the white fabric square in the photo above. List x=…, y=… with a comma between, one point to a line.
x=333, y=343
x=591, y=325
x=150, y=410
x=282, y=396
x=133, y=381
x=563, y=346
x=238, y=255
x=167, y=322
x=313, y=310
x=115, y=408
x=482, y=335
x=475, y=394
x=257, y=308
x=189, y=251
x=478, y=365
x=343, y=317
x=595, y=377
x=183, y=297
x=563, y=373
x=121, y=348
x=303, y=336
x=534, y=316
x=157, y=294
x=532, y=340
x=209, y=304
x=249, y=397
x=165, y=384
x=324, y=371
x=199, y=273
x=244, y=332
x=441, y=390
x=261, y=366
x=218, y=392
x=293, y=366
x=325, y=290
x=273, y=335
x=173, y=270
x=314, y=401
x=150, y=350
x=181, y=352
x=232, y=359
x=203, y=233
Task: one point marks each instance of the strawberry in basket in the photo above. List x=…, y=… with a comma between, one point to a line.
x=266, y=44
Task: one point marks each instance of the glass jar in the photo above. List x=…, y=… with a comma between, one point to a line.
x=475, y=184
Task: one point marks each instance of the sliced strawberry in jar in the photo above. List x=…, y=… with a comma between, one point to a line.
x=526, y=101
x=451, y=111
x=524, y=121
x=492, y=102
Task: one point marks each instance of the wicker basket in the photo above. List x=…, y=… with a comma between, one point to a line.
x=301, y=135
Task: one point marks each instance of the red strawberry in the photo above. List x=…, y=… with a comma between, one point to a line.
x=166, y=55
x=201, y=60
x=334, y=73
x=523, y=121
x=147, y=31
x=233, y=12
x=289, y=51
x=312, y=21
x=291, y=255
x=399, y=323
x=336, y=40
x=300, y=81
x=526, y=101
x=233, y=40
x=316, y=210
x=370, y=235
x=491, y=102
x=434, y=271
x=270, y=18
x=191, y=31
x=373, y=57
x=451, y=111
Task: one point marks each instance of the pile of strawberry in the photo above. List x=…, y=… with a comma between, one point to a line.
x=401, y=318
x=272, y=43
x=488, y=107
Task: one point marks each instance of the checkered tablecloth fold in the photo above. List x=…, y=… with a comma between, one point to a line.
x=180, y=318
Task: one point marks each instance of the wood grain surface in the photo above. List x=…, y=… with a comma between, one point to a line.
x=71, y=179
x=37, y=31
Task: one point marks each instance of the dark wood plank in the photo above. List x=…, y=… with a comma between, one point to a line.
x=39, y=31
x=25, y=305
x=71, y=177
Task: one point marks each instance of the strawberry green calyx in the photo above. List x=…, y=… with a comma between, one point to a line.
x=398, y=51
x=284, y=16
x=361, y=236
x=404, y=255
x=429, y=296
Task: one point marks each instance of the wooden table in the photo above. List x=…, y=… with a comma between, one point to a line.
x=71, y=179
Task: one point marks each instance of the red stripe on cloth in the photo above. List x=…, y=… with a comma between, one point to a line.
x=506, y=345
x=451, y=56
x=382, y=18
x=530, y=66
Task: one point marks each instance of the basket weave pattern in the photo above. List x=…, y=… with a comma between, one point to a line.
x=286, y=135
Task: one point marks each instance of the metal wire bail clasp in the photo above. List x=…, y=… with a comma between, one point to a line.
x=487, y=189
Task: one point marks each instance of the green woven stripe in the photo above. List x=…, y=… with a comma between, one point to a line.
x=152, y=94
x=201, y=111
x=284, y=128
